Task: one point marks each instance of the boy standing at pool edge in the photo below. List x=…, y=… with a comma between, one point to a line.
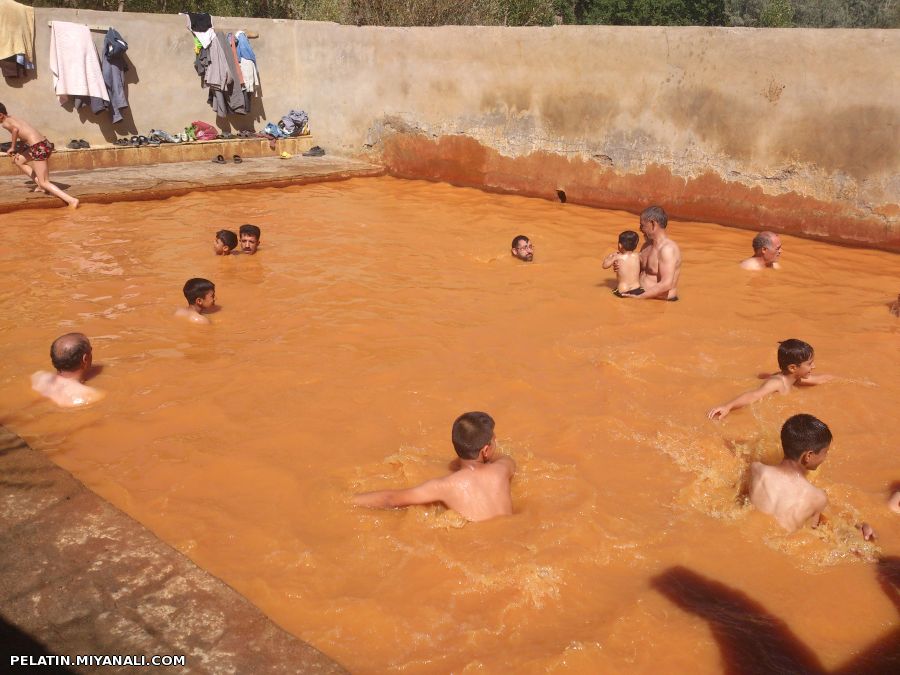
x=783, y=491
x=628, y=270
x=201, y=297
x=479, y=487
x=37, y=155
x=796, y=360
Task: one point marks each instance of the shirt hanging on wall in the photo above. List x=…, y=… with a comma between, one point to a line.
x=113, y=66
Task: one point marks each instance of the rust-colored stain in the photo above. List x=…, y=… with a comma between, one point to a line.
x=461, y=160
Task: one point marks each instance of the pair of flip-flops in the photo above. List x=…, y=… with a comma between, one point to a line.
x=80, y=144
x=314, y=151
x=221, y=160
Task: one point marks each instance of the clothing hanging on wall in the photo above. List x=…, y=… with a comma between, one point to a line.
x=16, y=38
x=247, y=64
x=113, y=66
x=75, y=66
x=201, y=26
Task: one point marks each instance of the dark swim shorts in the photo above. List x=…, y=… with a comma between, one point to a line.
x=40, y=151
x=633, y=291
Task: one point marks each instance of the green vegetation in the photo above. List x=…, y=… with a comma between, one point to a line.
x=753, y=13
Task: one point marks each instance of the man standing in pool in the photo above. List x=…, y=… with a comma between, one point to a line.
x=660, y=258
x=72, y=357
x=522, y=248
x=766, y=252
x=249, y=238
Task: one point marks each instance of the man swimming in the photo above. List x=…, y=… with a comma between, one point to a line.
x=766, y=252
x=72, y=356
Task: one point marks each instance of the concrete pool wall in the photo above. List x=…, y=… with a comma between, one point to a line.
x=793, y=130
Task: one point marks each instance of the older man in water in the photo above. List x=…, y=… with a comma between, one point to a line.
x=522, y=248
x=766, y=252
x=72, y=356
x=660, y=258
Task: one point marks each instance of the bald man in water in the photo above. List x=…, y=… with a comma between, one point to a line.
x=766, y=252
x=72, y=357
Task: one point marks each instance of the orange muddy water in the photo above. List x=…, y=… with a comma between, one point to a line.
x=375, y=312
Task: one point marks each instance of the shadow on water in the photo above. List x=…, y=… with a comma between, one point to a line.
x=16, y=642
x=752, y=641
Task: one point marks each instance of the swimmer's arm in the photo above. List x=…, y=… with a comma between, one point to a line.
x=610, y=259
x=818, y=505
x=427, y=493
x=14, y=133
x=666, y=283
x=812, y=380
x=745, y=399
x=506, y=461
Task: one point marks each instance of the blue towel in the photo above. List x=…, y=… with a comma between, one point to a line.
x=244, y=50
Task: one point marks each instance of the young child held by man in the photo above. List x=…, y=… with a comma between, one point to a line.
x=479, y=487
x=249, y=238
x=201, y=298
x=783, y=491
x=796, y=360
x=628, y=271
x=226, y=242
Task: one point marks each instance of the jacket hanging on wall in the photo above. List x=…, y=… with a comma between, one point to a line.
x=114, y=67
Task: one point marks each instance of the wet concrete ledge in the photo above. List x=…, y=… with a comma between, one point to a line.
x=79, y=577
x=159, y=181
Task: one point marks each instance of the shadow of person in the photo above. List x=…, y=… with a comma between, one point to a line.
x=751, y=640
x=21, y=644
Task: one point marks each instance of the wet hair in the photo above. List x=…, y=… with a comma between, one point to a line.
x=228, y=238
x=67, y=351
x=471, y=432
x=197, y=288
x=3, y=109
x=802, y=433
x=252, y=230
x=655, y=213
x=519, y=239
x=629, y=240
x=762, y=240
x=793, y=352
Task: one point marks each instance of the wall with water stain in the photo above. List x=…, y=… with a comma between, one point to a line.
x=792, y=130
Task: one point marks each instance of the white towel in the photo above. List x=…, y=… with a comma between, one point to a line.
x=74, y=63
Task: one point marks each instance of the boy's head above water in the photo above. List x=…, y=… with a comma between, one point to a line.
x=795, y=355
x=226, y=241
x=805, y=439
x=249, y=238
x=200, y=294
x=628, y=241
x=472, y=433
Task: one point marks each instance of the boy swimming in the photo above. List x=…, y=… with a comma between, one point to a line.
x=479, y=487
x=201, y=297
x=783, y=491
x=249, y=238
x=628, y=270
x=225, y=243
x=796, y=361
x=35, y=161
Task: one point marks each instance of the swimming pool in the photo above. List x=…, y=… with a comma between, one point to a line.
x=375, y=312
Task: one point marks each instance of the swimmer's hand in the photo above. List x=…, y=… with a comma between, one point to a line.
x=719, y=412
x=816, y=379
x=867, y=532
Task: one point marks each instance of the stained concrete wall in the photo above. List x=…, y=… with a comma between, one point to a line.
x=791, y=130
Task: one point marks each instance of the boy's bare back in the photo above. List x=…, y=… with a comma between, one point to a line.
x=628, y=271
x=787, y=496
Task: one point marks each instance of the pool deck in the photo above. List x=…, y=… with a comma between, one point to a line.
x=79, y=577
x=158, y=181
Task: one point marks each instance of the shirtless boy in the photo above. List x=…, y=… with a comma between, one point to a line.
x=249, y=238
x=783, y=491
x=478, y=489
x=627, y=265
x=35, y=162
x=72, y=356
x=796, y=360
x=226, y=242
x=201, y=297
x=766, y=252
x=660, y=258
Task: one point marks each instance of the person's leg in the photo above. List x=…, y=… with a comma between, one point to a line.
x=21, y=161
x=42, y=178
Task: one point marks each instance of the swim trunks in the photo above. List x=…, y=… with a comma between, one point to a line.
x=675, y=299
x=40, y=151
x=633, y=291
